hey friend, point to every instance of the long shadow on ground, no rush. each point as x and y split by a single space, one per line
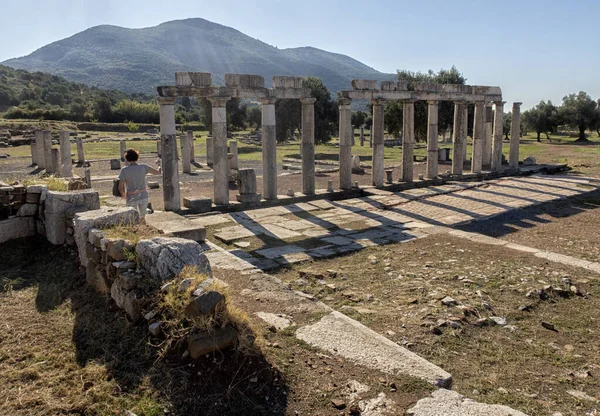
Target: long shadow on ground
217 384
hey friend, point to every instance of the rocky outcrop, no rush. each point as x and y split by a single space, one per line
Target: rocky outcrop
165 257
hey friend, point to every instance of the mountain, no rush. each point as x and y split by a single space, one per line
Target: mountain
138 60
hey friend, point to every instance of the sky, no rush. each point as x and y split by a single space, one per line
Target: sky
533 49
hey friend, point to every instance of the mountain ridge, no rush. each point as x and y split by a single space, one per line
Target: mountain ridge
138 60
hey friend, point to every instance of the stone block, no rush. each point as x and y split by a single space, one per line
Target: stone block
131 301
36 189
175 225
32 198
193 79
244 81
198 203
247 181
97 278
204 305
60 208
94 254
18 227
27 210
153 185
394 86
287 82
165 257
251 199
364 84
100 218
209 341
115 164
116 249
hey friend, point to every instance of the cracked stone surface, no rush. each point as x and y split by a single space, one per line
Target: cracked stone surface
450 403
165 257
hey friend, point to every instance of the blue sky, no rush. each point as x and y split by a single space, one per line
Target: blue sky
533 49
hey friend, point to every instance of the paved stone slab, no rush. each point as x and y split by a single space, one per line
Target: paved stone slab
230 234
280 232
210 220
292 258
222 260
341 335
172 224
337 240
449 403
272 253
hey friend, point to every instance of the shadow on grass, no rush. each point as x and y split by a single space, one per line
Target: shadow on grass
223 383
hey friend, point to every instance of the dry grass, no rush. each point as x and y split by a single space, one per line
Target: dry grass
132 233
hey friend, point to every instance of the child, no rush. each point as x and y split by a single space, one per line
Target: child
133 178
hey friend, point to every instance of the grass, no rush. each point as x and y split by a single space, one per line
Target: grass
132 233
52 182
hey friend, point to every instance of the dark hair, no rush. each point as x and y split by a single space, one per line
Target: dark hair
132 155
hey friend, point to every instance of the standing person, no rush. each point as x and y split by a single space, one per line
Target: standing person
132 183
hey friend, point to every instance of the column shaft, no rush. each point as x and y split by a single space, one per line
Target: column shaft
408 140
190 135
55 161
515 135
488 135
122 149
498 130
233 149
308 146
66 163
269 149
39 147
219 151
345 143
378 144
432 139
48 150
478 137
80 153
170 165
186 153
459 138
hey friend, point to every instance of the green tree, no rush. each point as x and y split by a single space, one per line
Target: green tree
542 118
254 115
103 110
359 118
236 114
581 112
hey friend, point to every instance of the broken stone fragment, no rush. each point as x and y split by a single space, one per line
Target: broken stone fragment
155 328
448 301
208 341
204 305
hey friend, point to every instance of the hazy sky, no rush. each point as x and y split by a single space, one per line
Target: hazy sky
533 49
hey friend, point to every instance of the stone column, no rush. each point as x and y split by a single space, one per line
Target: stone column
498 130
219 150
466 127
459 138
488 135
432 139
269 149
515 135
87 173
378 146
66 163
54 162
308 146
47 150
170 166
186 161
34 153
345 143
233 149
39 148
362 135
80 153
209 150
190 135
122 149
478 133
408 139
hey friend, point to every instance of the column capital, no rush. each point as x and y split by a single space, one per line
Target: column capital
488 103
344 101
498 103
377 101
166 100
218 101
409 100
460 102
517 104
308 100
433 102
267 101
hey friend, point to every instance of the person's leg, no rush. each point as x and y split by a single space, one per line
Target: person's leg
141 207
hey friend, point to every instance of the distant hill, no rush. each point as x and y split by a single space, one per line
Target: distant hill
138 60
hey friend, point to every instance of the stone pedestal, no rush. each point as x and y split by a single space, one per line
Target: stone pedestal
308 146
515 135
233 149
80 154
408 140
459 139
209 151
219 149
247 187
170 165
186 161
115 164
66 163
39 146
122 149
378 144
54 162
478 137
488 135
190 135
269 149
47 150
498 130
432 139
198 204
362 135
34 153
389 176
345 143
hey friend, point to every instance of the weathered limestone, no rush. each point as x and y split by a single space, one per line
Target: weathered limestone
287 82
47 140
80 153
345 143
170 166
66 163
88 177
378 143
459 138
34 153
190 135
466 126
174 225
478 137
186 161
220 162
244 81
122 149
233 150
115 164
488 135
196 79
450 403
432 139
17 227
498 131
269 149
198 204
209 151
159 148
408 140
362 135
515 135
39 145
308 146
54 162
61 207
247 187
